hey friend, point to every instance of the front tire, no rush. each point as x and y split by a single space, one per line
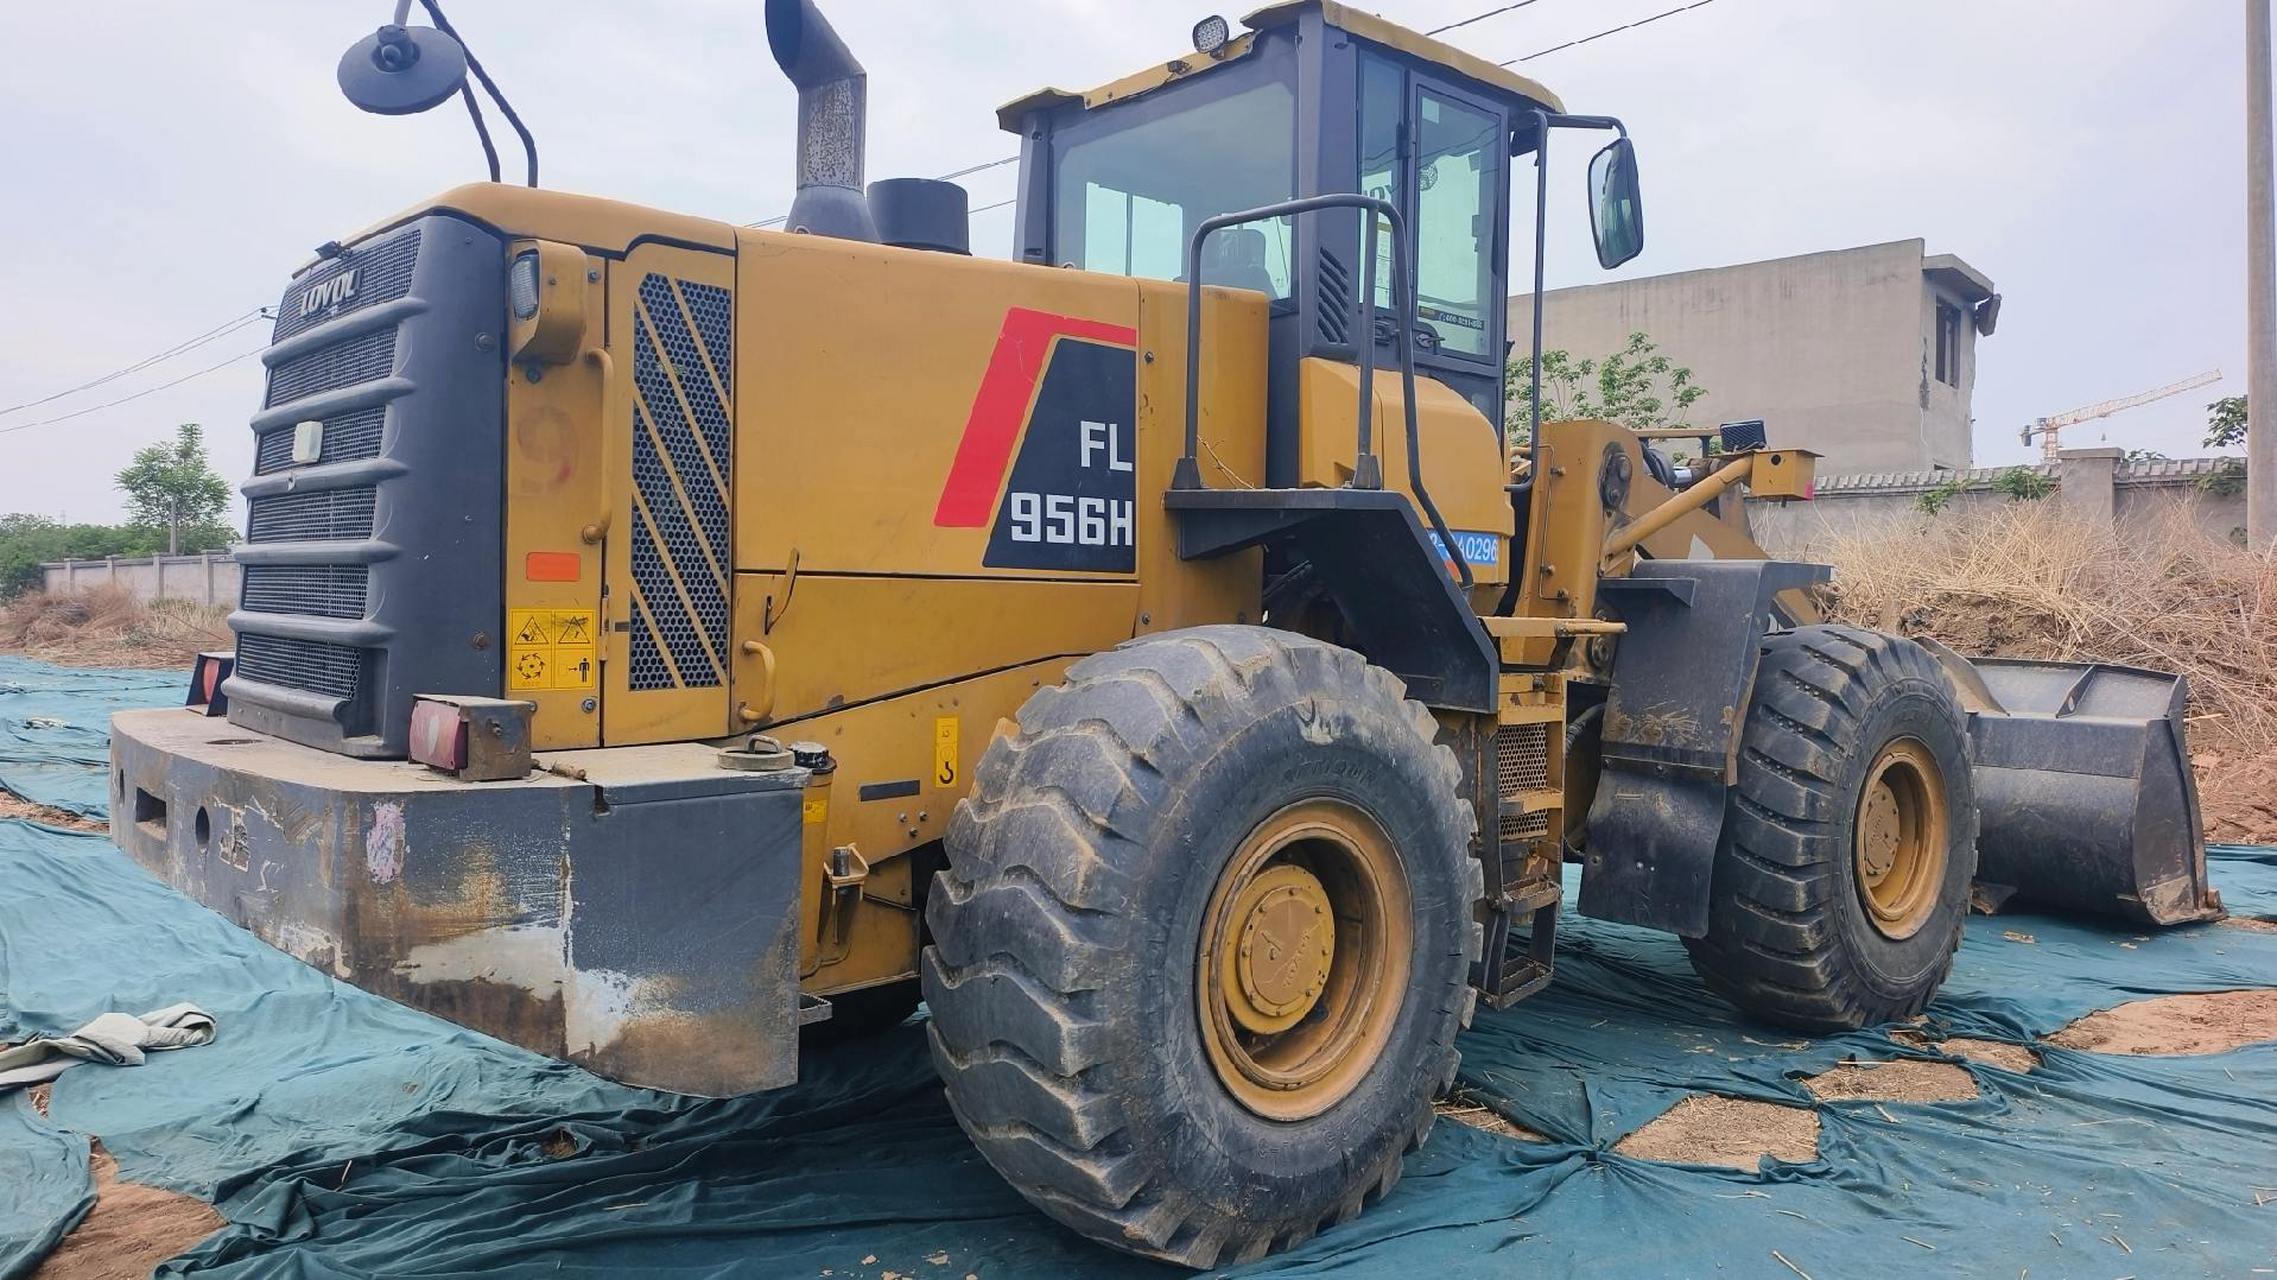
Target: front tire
1842 877
1203 944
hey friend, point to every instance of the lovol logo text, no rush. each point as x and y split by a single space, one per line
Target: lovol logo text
330 293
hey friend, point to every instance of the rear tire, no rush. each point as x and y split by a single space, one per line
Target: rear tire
1842 878
1092 875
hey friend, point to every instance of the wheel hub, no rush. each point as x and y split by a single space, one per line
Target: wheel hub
1285 943
1303 959
1899 841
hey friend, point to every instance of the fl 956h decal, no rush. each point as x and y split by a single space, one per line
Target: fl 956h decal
1047 463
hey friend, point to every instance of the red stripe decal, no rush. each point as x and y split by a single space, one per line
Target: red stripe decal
968 496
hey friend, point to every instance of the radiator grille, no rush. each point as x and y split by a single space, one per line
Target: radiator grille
325 515
348 437
383 274
683 435
324 590
366 357
1521 764
315 665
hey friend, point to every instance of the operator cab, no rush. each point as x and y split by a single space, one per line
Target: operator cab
1118 180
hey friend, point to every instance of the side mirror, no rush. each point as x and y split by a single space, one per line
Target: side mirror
399 71
1616 211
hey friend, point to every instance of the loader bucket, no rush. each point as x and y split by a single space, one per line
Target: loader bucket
2084 790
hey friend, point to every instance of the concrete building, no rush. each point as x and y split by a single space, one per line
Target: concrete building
1867 355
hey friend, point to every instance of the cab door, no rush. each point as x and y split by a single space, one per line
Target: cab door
669 560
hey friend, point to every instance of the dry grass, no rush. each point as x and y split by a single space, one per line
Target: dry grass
2028 581
107 626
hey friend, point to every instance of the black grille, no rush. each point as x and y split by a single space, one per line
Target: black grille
1335 306
325 515
326 590
348 437
366 357
315 665
681 459
383 274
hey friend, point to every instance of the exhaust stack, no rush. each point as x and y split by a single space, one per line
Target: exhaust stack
833 114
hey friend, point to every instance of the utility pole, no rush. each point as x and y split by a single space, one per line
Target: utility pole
2261 289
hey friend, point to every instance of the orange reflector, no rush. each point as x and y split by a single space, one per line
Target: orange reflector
553 566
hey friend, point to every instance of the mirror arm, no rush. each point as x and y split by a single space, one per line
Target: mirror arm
1544 121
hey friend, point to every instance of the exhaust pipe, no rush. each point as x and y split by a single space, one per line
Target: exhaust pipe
833 114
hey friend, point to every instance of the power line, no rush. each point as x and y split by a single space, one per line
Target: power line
112 404
1626 26
192 343
965 172
1479 17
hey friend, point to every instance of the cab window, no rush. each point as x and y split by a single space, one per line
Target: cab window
1131 183
1457 177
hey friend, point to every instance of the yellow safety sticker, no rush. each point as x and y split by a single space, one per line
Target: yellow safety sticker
815 810
552 649
945 772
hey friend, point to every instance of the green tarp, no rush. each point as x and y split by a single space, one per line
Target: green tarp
342 1135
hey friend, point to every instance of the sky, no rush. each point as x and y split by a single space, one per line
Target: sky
164 166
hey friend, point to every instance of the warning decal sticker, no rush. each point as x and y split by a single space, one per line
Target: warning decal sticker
552 649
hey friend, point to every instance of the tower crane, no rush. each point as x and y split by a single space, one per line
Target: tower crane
2050 428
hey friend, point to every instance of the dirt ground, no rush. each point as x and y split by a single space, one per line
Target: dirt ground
108 627
2212 1022
1905 1080
2239 799
15 806
1708 1128
131 1229
1478 1117
2008 1057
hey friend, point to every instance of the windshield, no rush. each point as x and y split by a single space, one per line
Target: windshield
1129 196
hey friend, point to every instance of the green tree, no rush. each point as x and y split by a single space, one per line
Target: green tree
2225 423
1637 386
172 487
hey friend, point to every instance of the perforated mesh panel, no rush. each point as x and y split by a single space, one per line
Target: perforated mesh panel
366 357
323 515
325 590
683 436
348 437
1522 763
383 274
315 665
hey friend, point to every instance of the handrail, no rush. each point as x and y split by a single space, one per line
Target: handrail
1367 468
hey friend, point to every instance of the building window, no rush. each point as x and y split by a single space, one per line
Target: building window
1948 344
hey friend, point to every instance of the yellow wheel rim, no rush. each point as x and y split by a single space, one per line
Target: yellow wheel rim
1899 841
1304 959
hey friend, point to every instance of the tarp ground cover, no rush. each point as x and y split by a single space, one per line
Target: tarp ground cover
342 1135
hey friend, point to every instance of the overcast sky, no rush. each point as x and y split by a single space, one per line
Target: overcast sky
168 164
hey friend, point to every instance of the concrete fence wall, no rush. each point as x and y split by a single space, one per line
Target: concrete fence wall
209 579
2098 484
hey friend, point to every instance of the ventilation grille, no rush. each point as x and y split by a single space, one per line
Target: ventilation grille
324 590
383 274
683 434
1522 764
1335 299
366 357
325 515
348 437
314 665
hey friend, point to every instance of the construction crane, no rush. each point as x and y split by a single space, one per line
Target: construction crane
2050 428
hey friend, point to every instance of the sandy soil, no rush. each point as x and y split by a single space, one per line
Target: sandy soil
2211 1022
131 1229
2251 924
1708 1128
1993 1053
1905 1080
2239 799
15 806
1478 1117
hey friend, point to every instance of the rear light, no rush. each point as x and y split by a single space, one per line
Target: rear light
522 284
472 739
206 677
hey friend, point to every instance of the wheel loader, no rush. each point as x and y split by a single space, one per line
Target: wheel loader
664 643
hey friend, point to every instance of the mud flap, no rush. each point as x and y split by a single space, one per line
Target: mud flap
2084 787
1681 679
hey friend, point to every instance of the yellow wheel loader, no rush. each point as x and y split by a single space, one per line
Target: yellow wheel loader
659 636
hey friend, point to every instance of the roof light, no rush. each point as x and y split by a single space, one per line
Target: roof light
1210 35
